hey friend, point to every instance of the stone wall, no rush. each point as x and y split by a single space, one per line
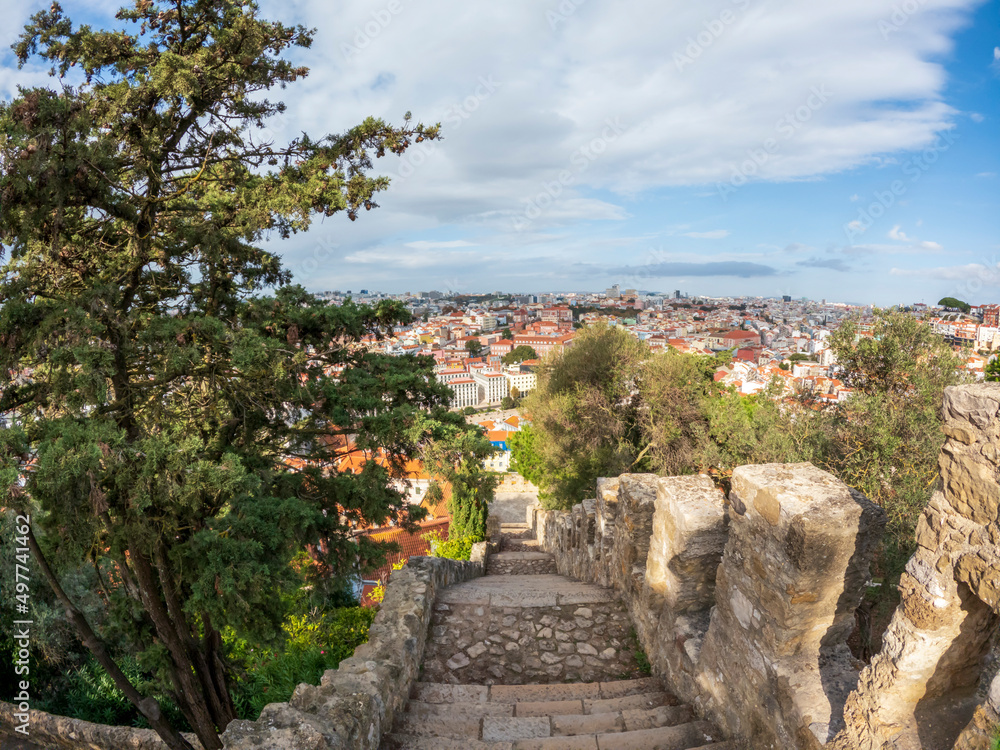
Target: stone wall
356 703
744 604
922 687
52 731
744 609
775 666
349 710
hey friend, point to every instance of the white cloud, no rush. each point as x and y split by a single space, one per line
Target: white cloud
986 175
979 273
855 198
897 234
425 245
715 234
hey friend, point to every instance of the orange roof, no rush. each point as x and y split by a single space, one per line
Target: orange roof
410 545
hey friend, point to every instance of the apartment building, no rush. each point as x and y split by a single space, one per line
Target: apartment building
524 381
466 392
492 386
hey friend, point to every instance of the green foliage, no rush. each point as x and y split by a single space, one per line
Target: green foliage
474 347
458 462
519 354
454 548
955 304
506 334
584 412
675 390
992 370
87 692
166 393
525 458
315 643
889 433
641 660
469 410
507 403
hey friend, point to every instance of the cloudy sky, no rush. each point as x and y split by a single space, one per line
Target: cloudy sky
844 150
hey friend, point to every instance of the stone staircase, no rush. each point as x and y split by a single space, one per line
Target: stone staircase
526 659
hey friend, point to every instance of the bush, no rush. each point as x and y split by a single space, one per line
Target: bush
88 693
316 642
459 548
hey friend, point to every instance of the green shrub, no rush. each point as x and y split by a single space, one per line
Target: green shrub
317 641
88 693
459 548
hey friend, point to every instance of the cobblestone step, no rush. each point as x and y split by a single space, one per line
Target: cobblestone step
524 591
508 645
521 563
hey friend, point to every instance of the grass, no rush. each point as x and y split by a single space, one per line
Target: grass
641 660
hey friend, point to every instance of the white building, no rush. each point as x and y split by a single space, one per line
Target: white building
451 375
525 382
486 322
466 392
493 386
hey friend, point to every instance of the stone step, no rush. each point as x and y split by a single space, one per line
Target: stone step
524 591
566 716
398 741
534 734
434 692
529 555
521 563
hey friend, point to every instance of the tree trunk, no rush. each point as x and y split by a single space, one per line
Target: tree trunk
148 707
191 694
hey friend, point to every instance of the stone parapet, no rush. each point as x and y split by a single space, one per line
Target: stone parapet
53 731
922 687
356 703
690 529
775 667
745 612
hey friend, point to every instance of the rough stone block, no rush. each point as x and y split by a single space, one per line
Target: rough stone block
774 663
689 534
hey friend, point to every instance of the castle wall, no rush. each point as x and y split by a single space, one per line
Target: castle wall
744 609
356 703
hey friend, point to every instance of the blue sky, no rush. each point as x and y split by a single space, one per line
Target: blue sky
846 151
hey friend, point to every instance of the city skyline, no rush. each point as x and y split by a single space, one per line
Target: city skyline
736 148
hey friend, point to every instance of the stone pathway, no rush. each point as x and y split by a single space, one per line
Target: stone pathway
526 659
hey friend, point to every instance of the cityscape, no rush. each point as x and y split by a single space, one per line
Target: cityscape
554 375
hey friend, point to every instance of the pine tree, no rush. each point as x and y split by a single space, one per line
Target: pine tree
174 421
